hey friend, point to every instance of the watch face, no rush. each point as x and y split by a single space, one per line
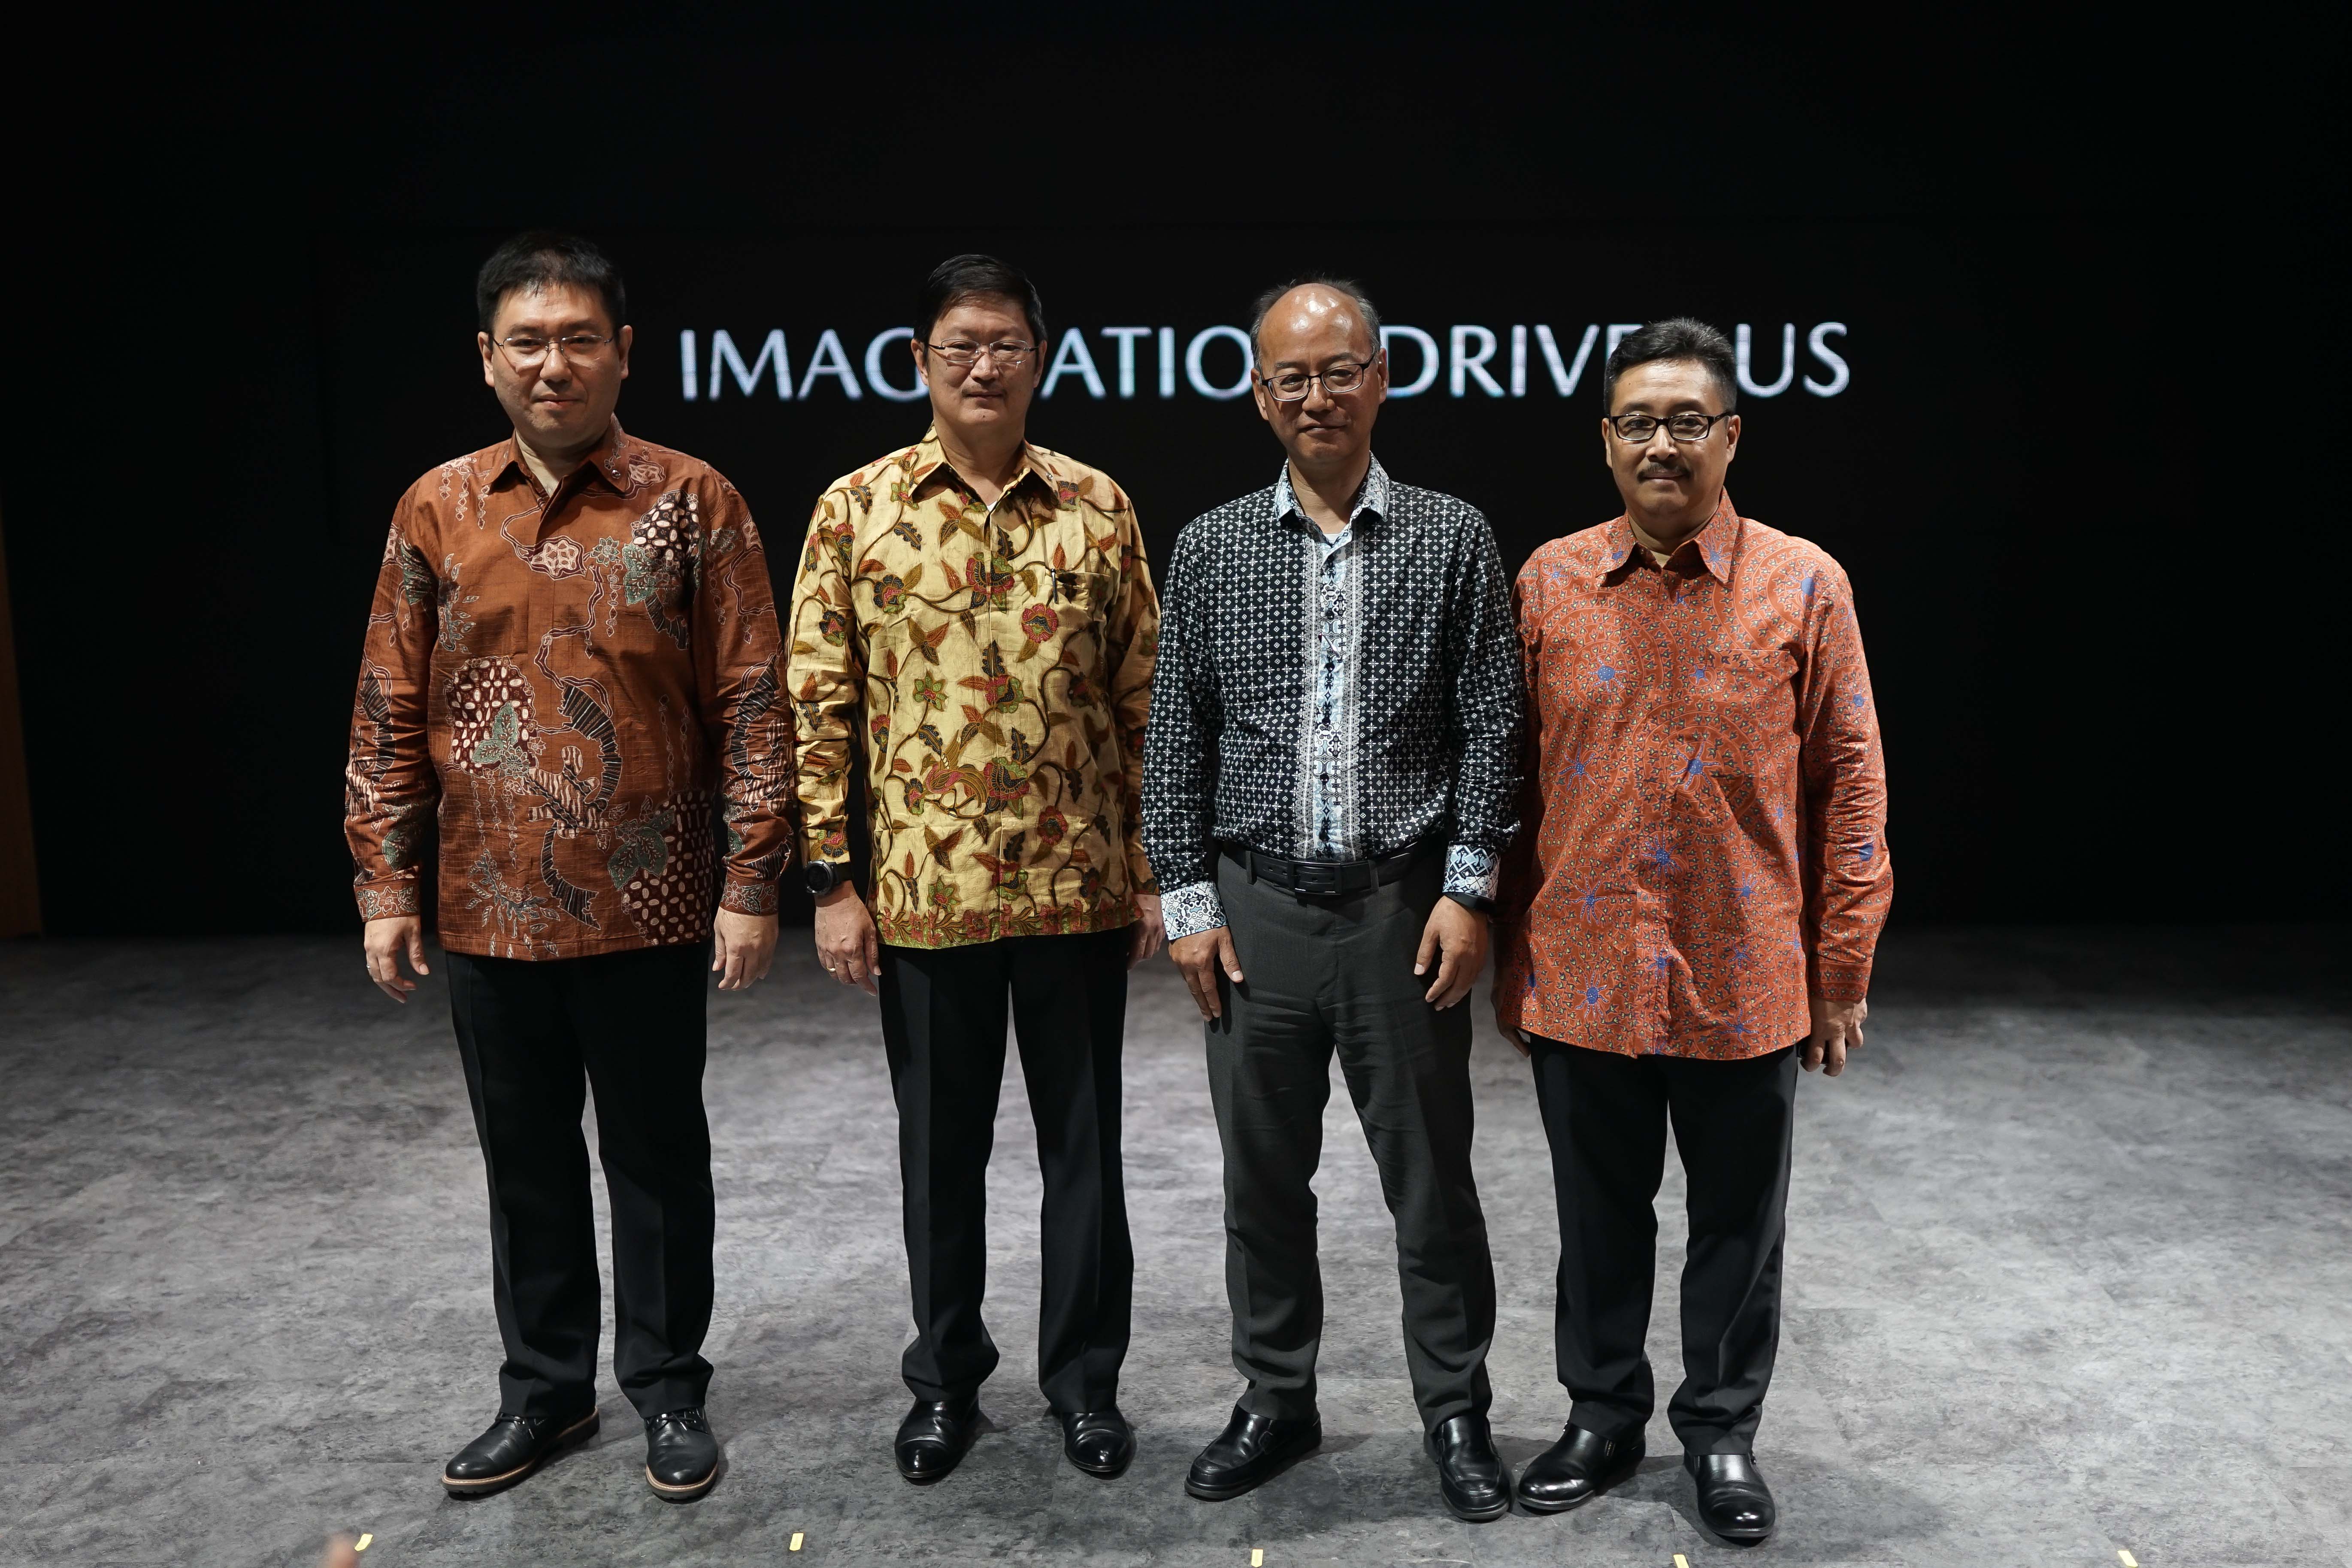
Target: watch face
821 877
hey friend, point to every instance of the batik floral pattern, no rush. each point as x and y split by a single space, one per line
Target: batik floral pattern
990 672
553 705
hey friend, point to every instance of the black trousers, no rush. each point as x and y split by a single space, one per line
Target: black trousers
1605 1116
532 1035
944 1015
1319 976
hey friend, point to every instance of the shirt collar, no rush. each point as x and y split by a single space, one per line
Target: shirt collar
1371 496
1715 546
607 460
926 460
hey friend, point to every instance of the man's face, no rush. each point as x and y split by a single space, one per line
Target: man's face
1662 477
560 401
1309 331
987 396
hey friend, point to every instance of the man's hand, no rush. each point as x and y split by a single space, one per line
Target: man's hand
383 941
846 944
1456 938
1837 1029
1149 934
1200 956
741 948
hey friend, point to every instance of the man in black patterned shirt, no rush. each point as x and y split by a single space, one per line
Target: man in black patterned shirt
1330 774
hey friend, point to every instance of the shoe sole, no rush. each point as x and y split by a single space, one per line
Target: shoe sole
915 1481
686 1493
580 1431
1478 1516
1615 1479
1102 1472
1226 1494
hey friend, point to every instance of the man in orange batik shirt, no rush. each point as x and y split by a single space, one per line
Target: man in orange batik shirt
1691 908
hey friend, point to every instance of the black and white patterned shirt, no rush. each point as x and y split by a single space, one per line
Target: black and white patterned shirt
1331 699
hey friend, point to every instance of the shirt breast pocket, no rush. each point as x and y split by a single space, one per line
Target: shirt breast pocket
1746 699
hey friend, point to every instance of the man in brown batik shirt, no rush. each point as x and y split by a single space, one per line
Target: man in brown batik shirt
572 668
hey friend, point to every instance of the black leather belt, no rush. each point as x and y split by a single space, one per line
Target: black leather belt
1322 878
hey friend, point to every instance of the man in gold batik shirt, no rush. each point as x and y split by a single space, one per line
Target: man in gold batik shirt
974 627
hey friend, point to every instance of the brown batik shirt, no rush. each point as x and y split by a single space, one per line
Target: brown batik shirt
552 689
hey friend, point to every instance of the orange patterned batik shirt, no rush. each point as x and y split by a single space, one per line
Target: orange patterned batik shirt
1703 845
561 693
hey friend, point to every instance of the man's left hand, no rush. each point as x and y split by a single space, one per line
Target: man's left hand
1148 934
1837 1029
741 947
1456 938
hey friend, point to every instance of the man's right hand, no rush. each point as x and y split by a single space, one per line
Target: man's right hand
846 942
1200 956
384 940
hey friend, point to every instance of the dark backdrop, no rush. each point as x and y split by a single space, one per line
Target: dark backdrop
2092 669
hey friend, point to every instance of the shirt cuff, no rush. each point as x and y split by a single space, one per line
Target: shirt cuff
1190 910
750 898
1472 872
379 901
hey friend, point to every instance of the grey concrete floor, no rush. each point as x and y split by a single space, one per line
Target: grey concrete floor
2067 1273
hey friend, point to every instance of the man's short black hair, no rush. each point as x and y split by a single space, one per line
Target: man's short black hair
972 276
1681 338
544 259
1337 285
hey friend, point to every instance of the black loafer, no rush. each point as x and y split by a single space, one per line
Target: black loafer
935 1437
1470 1475
512 1448
1251 1451
1098 1442
1575 1469
1733 1500
681 1456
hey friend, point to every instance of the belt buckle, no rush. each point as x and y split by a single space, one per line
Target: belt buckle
1318 880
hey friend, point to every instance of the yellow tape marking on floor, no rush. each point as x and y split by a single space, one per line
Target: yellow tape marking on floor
1681 1562
362 1542
796 1541
2127 1559
1257 1557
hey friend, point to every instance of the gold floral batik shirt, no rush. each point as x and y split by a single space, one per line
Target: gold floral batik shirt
990 668
554 688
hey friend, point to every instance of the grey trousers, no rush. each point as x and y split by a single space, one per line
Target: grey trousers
1320 975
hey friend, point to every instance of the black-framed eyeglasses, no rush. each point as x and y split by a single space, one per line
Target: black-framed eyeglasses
1684 427
527 349
1290 386
965 355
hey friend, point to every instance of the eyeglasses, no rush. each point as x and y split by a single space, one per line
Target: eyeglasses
1684 427
527 349
965 355
1290 386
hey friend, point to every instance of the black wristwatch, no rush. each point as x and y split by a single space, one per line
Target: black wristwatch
824 876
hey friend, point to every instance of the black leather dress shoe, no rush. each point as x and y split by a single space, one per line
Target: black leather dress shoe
1575 1469
1733 1500
681 1456
1098 1442
513 1447
1470 1474
1251 1451
935 1437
